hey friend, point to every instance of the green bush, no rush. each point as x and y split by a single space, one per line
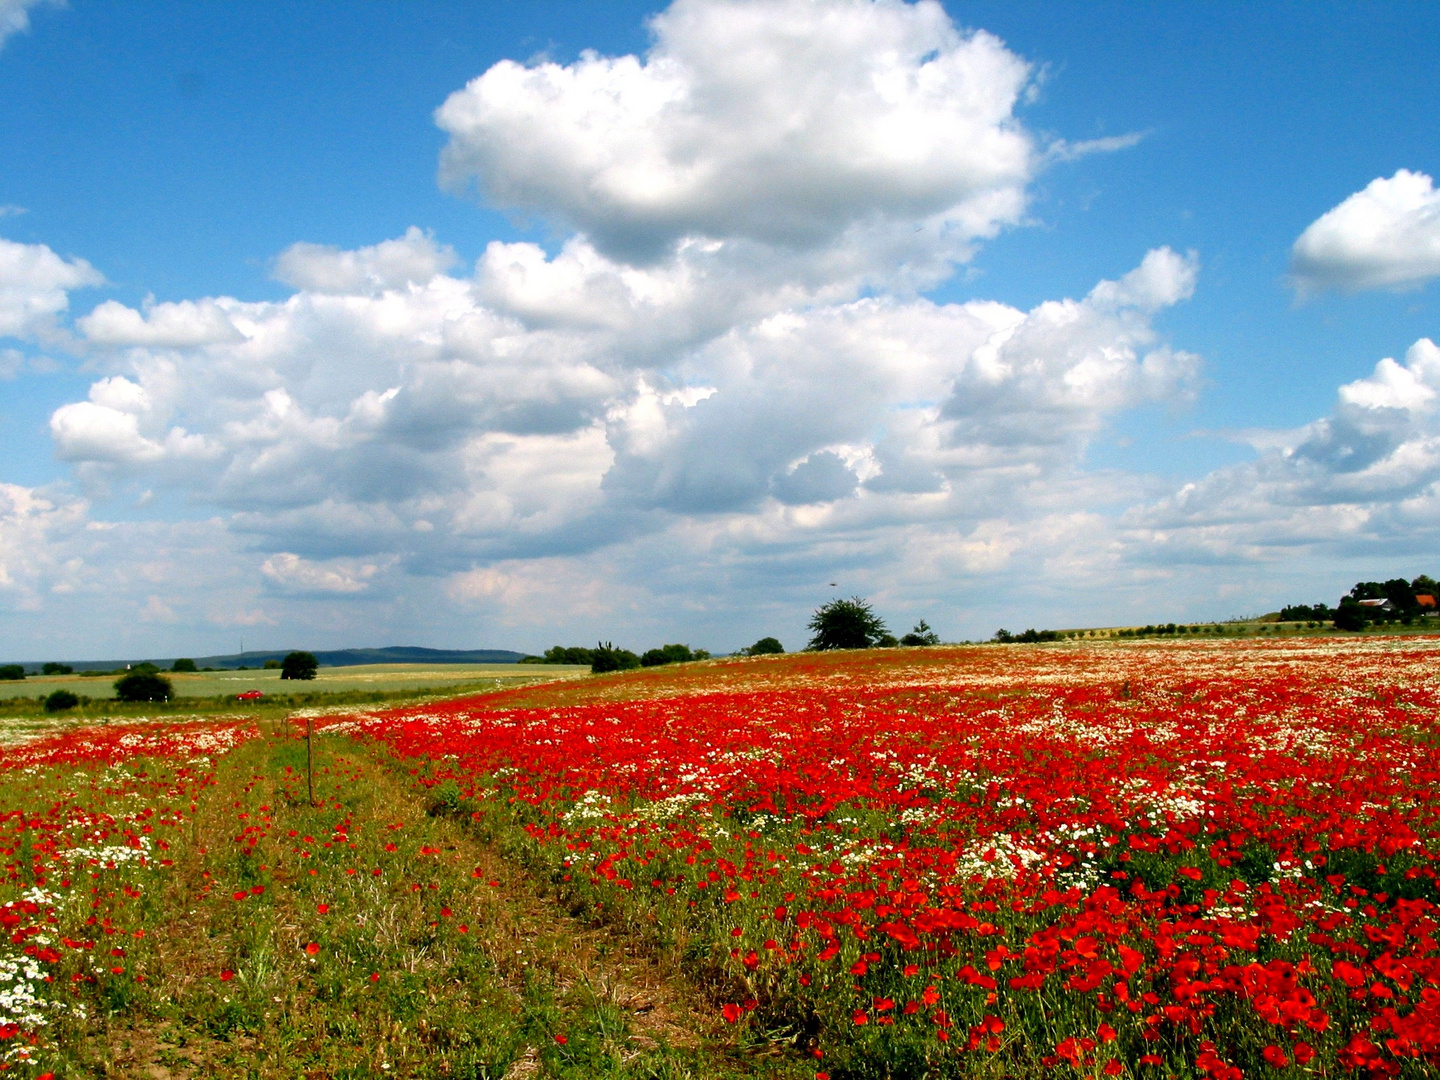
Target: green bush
847 624
766 646
12 672
606 657
183 664
299 665
668 654
143 686
1305 613
61 700
569 654
1349 617
52 668
921 635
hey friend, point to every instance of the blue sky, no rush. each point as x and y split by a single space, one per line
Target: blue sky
180 149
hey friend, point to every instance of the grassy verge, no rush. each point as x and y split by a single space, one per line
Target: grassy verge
270 706
369 935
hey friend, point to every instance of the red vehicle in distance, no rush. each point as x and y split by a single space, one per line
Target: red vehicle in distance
249 695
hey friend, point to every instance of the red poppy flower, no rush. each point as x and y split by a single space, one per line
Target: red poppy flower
1274 1056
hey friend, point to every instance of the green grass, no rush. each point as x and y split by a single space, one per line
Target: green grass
363 678
23 717
366 936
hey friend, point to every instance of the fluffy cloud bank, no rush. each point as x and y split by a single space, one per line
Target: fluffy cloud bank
1384 237
32 525
1367 477
419 421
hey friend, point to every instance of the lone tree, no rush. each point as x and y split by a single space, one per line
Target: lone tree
143 686
847 624
183 664
298 665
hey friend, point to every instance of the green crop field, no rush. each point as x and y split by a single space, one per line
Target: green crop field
376 677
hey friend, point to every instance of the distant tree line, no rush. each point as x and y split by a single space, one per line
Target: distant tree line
1401 601
606 656
52 667
1171 628
564 654
1026 636
840 624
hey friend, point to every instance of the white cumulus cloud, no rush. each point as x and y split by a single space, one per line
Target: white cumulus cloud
175 325
34 287
117 426
291 573
414 257
1384 237
784 122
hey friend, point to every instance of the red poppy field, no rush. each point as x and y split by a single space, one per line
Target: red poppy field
1149 860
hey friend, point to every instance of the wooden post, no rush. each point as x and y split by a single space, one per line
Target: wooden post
26 861
310 755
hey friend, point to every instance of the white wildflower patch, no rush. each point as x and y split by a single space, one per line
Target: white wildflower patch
668 808
111 856
22 1003
589 808
999 856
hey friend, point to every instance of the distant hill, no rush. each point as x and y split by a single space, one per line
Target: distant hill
394 654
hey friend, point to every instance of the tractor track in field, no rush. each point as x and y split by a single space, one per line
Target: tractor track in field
536 949
524 929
